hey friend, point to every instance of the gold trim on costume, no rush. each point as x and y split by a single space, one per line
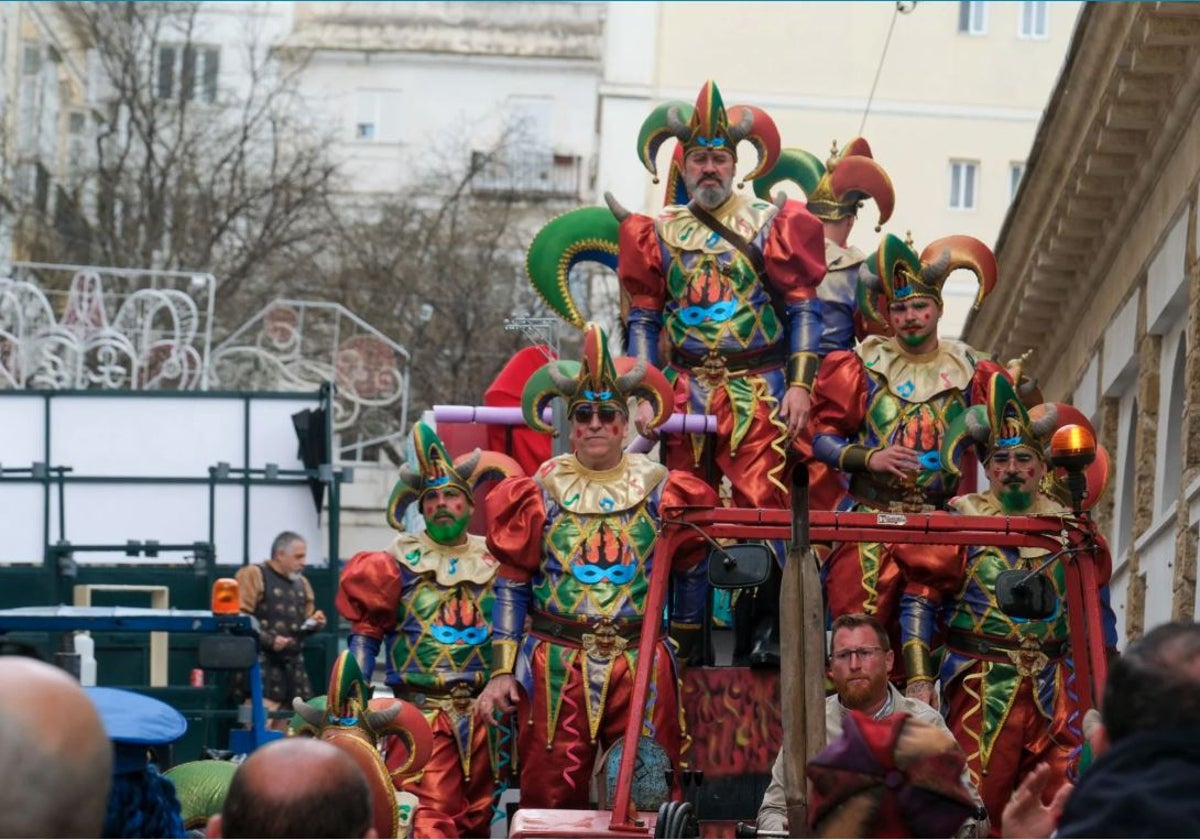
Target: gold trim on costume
451 564
921 376
681 230
583 491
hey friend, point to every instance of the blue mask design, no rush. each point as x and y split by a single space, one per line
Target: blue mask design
455 636
590 573
718 313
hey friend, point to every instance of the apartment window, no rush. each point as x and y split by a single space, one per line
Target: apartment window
1016 171
31 59
377 116
964 184
1033 19
188 72
972 17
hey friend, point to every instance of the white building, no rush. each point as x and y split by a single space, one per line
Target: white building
960 90
412 87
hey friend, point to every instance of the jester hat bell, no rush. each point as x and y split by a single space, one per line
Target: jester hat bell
598 378
709 125
434 470
836 188
895 272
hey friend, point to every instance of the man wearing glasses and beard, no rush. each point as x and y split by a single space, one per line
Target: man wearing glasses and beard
860 657
576 544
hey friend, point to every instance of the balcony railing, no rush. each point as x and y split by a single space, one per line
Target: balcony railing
529 175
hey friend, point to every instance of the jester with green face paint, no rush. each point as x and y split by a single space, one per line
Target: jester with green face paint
1006 681
429 597
880 411
577 543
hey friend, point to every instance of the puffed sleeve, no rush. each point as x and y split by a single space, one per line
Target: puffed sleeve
683 490
794 252
639 266
932 574
982 376
369 593
839 407
516 517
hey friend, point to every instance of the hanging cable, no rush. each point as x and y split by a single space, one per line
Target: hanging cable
901 7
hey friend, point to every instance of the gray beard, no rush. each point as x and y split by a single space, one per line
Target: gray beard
710 196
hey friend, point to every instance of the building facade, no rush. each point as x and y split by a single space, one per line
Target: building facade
1101 280
949 96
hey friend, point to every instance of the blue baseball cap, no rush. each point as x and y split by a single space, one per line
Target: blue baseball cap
135 723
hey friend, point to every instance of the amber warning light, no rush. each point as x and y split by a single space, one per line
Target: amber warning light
1073 447
225 597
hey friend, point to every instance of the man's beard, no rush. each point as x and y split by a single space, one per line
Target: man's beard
1014 498
708 195
912 339
447 531
295 576
859 695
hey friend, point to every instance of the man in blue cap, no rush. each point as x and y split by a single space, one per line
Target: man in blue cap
143 801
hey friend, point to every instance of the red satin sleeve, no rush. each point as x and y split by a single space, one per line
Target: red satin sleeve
684 490
982 376
794 252
369 592
639 264
934 572
839 396
516 517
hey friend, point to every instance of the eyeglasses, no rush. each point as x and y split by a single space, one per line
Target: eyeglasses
584 412
863 653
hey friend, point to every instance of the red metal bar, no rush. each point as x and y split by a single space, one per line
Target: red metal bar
656 598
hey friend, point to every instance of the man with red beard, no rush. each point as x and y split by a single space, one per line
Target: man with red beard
860 657
880 412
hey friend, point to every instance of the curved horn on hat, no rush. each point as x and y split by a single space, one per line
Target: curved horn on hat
615 207
650 385
762 134
587 234
377 719
551 380
406 491
860 174
465 466
796 165
656 129
312 715
1043 420
969 428
489 466
678 116
740 125
969 253
869 291
935 272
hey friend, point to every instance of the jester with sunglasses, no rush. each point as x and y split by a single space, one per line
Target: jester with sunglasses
1006 681
429 597
577 543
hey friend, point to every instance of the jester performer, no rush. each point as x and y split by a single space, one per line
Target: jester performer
430 596
880 411
1005 681
835 191
733 282
577 543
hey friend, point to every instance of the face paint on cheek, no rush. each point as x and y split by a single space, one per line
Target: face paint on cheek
612 430
578 433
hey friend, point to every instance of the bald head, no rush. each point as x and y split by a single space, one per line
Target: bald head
296 787
53 751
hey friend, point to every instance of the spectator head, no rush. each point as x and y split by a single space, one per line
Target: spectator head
289 553
860 658
55 759
1155 683
296 787
143 801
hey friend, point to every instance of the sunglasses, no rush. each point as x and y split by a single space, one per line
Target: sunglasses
584 412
